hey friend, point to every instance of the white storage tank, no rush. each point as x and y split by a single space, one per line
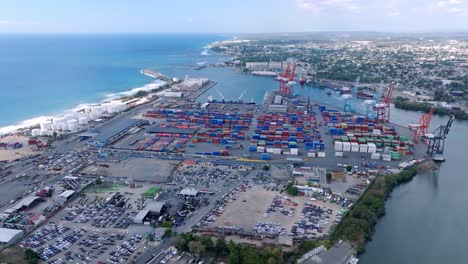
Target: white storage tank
58 120
72 122
35 132
83 121
46 125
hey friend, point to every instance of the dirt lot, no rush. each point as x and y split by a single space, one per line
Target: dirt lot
11 154
13 255
138 169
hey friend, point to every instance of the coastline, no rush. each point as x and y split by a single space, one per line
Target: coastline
35 121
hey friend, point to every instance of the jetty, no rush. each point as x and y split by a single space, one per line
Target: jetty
157 75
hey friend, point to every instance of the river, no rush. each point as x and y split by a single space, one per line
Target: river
426 219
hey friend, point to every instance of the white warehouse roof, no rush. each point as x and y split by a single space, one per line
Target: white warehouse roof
7 234
66 194
189 192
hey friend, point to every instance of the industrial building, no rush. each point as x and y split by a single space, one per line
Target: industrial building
26 202
111 132
10 236
340 253
151 211
190 192
65 196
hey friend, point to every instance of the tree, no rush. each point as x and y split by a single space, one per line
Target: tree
168 232
31 256
207 242
141 94
266 168
329 177
221 247
98 181
292 190
196 247
349 168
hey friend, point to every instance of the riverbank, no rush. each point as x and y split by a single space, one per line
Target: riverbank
424 107
358 225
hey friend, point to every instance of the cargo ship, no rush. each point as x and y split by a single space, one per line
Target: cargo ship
364 95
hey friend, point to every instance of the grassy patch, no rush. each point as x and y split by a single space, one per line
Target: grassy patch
105 187
151 192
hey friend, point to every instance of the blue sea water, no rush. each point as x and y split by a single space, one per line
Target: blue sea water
47 74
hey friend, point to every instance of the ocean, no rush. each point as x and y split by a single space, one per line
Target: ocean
43 75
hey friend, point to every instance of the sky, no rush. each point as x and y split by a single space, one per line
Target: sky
231 16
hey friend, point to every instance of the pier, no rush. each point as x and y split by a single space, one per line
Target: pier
155 74
202 90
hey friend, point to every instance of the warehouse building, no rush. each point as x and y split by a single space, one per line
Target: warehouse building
10 236
151 212
113 131
64 197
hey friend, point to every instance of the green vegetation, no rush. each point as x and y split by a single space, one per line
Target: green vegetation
31 256
235 253
359 223
104 187
168 232
349 168
292 190
329 177
151 192
98 181
166 224
140 94
403 103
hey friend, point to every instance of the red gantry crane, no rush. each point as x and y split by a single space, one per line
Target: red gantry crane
286 79
383 108
421 129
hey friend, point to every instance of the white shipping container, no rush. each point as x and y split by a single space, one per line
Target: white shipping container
294 151
338 154
376 132
354 147
269 150
386 157
321 154
311 154
363 148
277 151
338 146
375 156
346 146
371 148
260 149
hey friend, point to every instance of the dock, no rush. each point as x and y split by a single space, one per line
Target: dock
202 90
155 74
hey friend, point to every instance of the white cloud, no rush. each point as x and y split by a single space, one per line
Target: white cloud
394 13
318 6
458 7
4 22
